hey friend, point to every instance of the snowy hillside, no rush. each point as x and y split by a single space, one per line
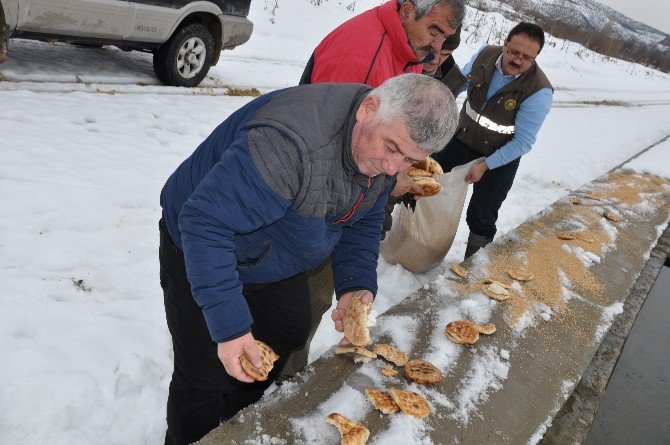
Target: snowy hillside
89 138
585 14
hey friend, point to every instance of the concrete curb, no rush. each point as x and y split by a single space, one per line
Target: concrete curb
508 387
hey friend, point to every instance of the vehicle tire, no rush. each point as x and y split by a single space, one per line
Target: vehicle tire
185 59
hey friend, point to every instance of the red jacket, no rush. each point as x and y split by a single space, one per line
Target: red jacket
369 48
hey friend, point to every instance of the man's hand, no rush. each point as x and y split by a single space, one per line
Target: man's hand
476 172
405 184
229 353
343 304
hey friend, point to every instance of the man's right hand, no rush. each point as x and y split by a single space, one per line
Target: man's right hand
229 353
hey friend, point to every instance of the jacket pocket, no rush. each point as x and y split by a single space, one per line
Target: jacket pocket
253 256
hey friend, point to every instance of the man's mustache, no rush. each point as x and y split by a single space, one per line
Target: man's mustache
429 58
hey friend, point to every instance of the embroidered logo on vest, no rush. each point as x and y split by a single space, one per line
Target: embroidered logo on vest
510 104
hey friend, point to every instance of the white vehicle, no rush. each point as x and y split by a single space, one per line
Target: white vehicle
186 37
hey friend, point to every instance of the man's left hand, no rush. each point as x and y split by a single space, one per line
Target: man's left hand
476 172
343 304
405 184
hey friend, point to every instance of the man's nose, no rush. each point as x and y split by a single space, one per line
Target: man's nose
393 165
437 42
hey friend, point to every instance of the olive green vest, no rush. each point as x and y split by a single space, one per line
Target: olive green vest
487 125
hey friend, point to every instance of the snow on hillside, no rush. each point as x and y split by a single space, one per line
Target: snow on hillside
86 352
590 16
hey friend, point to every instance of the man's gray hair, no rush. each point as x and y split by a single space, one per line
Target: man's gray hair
423 7
426 105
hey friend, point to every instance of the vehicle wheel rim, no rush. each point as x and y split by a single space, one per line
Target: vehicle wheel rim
191 57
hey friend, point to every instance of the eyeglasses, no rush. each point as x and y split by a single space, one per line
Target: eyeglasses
517 55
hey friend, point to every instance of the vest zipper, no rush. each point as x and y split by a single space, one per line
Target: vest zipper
351 212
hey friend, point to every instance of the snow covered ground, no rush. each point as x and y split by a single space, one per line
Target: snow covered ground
87 139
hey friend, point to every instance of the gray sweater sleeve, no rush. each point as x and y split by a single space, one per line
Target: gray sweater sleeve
277 159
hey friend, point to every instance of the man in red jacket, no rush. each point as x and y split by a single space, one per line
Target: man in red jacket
384 42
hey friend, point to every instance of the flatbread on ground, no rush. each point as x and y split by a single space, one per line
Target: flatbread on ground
612 216
388 371
520 275
352 432
390 353
467 332
381 400
422 372
501 283
496 291
358 350
459 270
410 402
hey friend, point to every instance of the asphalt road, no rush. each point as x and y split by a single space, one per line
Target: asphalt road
636 404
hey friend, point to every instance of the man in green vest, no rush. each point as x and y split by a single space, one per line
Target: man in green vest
508 99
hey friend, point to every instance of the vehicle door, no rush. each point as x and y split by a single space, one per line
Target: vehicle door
153 19
106 19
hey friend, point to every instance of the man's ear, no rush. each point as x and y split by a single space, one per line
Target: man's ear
367 110
406 12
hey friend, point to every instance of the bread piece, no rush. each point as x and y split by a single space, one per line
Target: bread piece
422 372
520 275
388 371
434 167
496 291
467 332
352 432
410 402
612 216
359 350
268 356
381 400
423 174
415 172
361 359
429 186
501 283
459 270
394 355
356 322
429 165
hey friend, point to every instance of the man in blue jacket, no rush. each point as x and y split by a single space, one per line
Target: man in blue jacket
289 179
509 97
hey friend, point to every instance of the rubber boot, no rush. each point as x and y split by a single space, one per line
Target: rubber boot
475 242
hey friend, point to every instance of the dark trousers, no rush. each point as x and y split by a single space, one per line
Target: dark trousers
201 393
488 194
321 291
